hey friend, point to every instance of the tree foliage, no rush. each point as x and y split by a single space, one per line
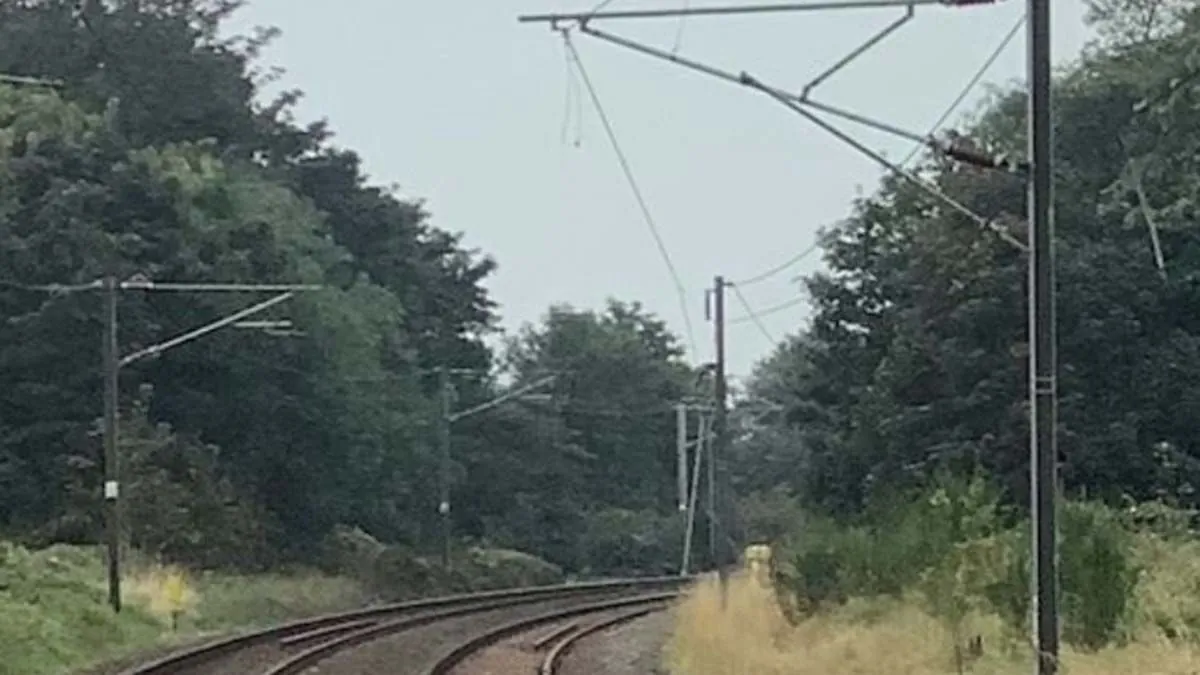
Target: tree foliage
915 360
157 156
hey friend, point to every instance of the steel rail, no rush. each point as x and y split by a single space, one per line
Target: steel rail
352 625
554 658
464 650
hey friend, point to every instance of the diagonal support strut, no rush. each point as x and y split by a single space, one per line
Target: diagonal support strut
925 185
967 156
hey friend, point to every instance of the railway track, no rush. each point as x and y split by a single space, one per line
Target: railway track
405 637
572 626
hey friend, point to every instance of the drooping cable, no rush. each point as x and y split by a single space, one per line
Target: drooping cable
751 314
966 90
775 309
763 276
651 224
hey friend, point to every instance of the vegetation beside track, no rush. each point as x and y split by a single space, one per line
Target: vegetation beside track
53 607
940 585
53 601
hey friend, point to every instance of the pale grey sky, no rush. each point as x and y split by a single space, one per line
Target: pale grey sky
464 107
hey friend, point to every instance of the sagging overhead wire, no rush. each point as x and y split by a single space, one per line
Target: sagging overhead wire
763 276
971 84
651 224
768 311
751 314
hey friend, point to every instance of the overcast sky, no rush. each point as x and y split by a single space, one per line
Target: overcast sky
465 108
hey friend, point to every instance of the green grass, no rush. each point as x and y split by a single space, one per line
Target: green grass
54 618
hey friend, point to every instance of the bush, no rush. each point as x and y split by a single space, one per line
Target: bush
954 543
1098 574
400 574
350 551
488 569
620 542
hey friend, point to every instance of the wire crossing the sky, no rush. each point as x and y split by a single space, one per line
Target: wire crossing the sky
637 191
971 84
775 309
751 314
763 276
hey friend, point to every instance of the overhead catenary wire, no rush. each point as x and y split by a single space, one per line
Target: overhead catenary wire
969 87
774 309
805 106
637 191
767 274
751 314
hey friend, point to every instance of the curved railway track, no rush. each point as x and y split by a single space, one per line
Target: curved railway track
404 636
559 641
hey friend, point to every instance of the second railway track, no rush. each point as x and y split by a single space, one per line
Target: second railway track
571 625
400 638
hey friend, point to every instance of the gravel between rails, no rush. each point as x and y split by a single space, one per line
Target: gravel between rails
516 655
633 648
414 652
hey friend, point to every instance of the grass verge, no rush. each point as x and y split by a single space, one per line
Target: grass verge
54 616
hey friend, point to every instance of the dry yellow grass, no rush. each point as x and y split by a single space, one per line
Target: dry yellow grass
752 637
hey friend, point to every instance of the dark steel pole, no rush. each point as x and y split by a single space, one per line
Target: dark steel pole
1043 368
112 484
720 437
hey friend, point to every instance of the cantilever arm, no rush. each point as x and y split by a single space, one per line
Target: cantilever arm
161 347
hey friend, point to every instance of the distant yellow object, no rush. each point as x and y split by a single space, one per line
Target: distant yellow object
175 591
757 560
171 595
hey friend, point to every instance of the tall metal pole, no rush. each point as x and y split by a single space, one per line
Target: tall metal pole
1042 366
681 445
720 436
702 436
112 485
444 471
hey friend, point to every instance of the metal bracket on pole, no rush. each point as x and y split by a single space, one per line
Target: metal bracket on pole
507 396
925 185
800 105
156 349
910 11
113 363
958 153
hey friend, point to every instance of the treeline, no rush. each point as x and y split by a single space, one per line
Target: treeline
154 156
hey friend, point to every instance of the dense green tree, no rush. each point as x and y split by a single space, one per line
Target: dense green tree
915 359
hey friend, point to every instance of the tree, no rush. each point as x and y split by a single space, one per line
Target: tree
915 359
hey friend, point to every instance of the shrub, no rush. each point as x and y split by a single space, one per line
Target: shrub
400 574
620 542
350 551
488 569
1098 574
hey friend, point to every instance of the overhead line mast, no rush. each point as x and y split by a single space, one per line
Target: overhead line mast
1038 173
